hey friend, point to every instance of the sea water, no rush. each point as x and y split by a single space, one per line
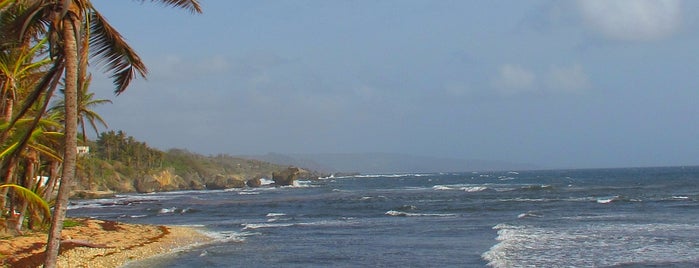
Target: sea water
639 217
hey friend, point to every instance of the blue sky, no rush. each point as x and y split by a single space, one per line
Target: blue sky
558 84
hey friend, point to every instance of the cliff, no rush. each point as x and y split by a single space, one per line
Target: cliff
124 165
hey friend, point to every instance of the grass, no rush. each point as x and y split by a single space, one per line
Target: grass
67 223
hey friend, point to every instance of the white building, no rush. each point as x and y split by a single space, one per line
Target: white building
83 150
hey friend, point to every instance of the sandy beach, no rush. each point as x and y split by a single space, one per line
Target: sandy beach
97 243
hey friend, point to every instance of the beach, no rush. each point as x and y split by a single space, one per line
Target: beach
97 243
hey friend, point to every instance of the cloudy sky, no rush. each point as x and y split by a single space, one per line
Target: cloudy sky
559 84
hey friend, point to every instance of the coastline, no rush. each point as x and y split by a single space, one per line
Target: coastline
98 243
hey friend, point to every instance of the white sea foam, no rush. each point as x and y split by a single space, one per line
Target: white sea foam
461 187
327 223
253 226
167 210
529 214
474 189
408 214
118 200
393 175
607 200
225 236
592 245
442 187
275 214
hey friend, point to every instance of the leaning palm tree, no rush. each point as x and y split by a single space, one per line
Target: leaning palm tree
21 66
62 21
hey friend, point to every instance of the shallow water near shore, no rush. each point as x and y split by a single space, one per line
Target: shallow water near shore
644 217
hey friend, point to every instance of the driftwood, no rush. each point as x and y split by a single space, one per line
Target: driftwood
83 243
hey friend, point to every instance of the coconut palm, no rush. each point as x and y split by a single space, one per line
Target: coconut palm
21 66
86 102
62 22
43 143
33 199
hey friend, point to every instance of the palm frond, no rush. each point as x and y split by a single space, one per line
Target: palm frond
47 84
9 149
189 5
47 151
113 53
31 197
31 21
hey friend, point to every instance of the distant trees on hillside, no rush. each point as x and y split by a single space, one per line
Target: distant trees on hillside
117 146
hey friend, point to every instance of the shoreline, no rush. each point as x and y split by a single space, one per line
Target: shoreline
99 243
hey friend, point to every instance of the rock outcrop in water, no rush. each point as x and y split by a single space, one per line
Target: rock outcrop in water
286 177
222 182
254 182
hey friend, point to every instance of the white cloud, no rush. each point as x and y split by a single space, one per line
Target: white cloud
513 79
567 79
632 20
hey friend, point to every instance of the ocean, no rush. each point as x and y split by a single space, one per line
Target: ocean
630 217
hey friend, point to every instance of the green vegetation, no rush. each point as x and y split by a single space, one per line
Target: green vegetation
46 45
119 163
68 223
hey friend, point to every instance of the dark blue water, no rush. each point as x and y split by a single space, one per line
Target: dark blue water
645 217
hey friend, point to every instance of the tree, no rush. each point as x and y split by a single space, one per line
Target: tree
85 112
62 22
22 64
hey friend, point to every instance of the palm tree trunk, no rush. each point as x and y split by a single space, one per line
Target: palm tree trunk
70 23
48 192
28 183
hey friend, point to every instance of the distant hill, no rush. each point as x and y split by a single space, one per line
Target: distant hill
368 163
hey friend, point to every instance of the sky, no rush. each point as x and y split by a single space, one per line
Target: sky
557 84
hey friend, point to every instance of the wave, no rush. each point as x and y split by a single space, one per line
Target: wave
393 175
225 236
408 214
592 245
460 187
119 200
530 214
133 216
616 198
175 210
253 226
607 200
537 187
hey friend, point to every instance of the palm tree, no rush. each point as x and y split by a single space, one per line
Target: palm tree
62 22
34 200
85 112
21 66
43 143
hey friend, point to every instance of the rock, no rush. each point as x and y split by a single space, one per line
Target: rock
254 182
196 185
146 184
286 177
88 194
220 182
